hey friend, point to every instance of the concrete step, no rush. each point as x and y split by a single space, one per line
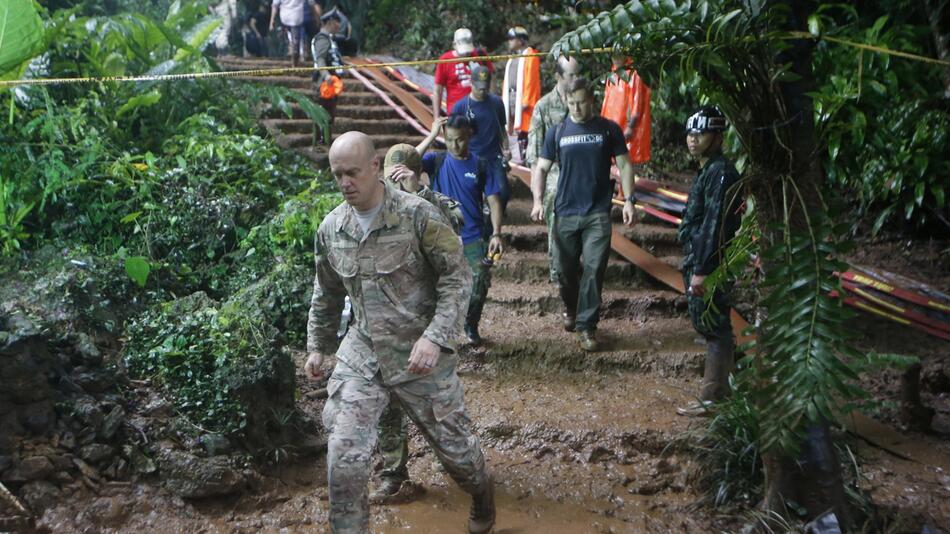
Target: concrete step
349 111
532 268
633 304
304 82
641 343
391 127
383 142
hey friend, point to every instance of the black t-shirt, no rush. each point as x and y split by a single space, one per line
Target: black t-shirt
584 153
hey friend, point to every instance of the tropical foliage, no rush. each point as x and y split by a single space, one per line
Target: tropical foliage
172 186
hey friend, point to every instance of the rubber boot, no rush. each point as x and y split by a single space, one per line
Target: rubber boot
719 363
481 519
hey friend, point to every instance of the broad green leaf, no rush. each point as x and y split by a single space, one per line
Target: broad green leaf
138 269
140 101
21 35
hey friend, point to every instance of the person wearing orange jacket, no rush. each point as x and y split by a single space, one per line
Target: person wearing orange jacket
522 87
627 102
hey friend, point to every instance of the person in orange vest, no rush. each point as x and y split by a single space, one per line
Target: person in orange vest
326 53
627 102
522 88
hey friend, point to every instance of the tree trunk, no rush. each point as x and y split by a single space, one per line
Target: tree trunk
813 480
934 10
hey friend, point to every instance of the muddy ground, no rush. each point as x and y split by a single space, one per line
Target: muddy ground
577 444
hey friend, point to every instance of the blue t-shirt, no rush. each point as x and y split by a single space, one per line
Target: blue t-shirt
459 179
584 153
488 119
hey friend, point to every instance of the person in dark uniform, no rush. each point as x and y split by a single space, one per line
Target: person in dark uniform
712 219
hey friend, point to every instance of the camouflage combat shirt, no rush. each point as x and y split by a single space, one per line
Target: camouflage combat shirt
406 278
708 223
548 113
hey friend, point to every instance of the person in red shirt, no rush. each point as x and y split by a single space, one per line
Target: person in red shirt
627 102
456 78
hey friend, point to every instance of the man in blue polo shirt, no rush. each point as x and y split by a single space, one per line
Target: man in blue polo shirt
468 179
583 145
487 115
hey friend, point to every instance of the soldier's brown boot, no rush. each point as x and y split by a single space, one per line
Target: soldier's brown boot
588 340
481 519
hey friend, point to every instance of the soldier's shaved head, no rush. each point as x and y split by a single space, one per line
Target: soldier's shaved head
355 166
566 71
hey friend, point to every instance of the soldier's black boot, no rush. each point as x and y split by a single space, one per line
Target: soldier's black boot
481 519
471 332
719 363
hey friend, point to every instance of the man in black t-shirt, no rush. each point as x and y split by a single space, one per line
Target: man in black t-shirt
584 145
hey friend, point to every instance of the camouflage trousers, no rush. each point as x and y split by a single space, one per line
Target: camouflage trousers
394 442
548 204
351 415
713 323
475 252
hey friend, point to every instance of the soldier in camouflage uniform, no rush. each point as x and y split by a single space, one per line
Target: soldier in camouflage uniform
710 222
548 113
401 264
402 167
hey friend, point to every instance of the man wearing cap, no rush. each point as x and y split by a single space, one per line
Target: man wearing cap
627 102
486 112
548 113
292 18
521 88
403 169
711 220
454 79
326 53
401 264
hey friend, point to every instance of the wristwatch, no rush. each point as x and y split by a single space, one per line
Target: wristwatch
632 198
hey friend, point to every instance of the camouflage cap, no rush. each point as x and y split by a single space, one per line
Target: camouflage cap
402 154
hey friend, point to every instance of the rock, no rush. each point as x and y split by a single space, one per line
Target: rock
68 440
111 422
87 470
96 381
62 462
158 407
140 463
63 478
598 454
6 462
40 495
110 512
87 350
215 444
38 417
96 452
191 477
87 411
35 468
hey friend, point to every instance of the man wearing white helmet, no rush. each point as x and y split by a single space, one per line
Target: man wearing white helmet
455 79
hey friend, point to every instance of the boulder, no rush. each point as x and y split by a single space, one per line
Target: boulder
40 495
29 469
189 476
111 422
215 444
96 452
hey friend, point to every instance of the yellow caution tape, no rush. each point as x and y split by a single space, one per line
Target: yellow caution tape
275 71
498 57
